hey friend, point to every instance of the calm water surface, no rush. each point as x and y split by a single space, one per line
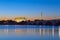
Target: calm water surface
29 32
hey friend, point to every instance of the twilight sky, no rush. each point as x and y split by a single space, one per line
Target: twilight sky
30 8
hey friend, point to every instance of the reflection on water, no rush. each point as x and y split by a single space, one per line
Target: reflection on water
41 31
59 31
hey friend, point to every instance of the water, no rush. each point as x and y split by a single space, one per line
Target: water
29 32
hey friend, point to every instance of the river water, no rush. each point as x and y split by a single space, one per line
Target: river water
29 32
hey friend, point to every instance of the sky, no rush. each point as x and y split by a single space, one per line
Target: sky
30 8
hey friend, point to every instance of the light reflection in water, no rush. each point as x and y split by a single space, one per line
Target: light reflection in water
41 31
59 32
53 31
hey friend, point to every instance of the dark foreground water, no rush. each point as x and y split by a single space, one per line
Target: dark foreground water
29 32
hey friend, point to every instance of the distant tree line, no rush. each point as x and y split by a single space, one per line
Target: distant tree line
28 22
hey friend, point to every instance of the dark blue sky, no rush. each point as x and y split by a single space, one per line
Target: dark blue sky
30 8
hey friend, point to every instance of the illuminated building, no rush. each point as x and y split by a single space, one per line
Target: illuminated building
19 19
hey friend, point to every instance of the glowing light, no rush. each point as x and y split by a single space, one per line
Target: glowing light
19 19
